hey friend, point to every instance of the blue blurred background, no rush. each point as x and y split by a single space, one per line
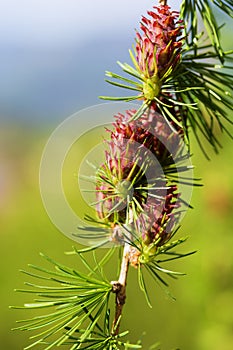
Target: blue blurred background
54 54
53 57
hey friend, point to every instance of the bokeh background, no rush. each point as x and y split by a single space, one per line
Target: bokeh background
53 57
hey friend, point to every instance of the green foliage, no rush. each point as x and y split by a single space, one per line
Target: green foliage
75 299
212 95
163 102
80 316
152 259
190 12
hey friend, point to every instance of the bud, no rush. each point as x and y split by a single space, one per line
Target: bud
132 188
158 47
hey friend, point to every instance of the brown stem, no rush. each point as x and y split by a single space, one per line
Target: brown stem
163 2
119 288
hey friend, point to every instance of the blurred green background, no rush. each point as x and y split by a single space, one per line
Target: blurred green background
37 98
